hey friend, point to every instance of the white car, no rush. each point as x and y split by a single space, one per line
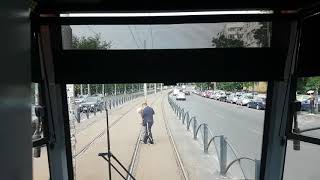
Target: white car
181 96
175 92
244 100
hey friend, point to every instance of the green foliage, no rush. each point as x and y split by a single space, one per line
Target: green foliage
262 34
94 42
223 42
230 86
308 83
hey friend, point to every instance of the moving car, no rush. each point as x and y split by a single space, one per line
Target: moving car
91 103
186 92
257 103
175 91
181 96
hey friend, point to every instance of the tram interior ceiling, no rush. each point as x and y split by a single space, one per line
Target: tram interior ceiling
292 53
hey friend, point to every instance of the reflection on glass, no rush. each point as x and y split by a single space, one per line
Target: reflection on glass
302 164
169 36
308 118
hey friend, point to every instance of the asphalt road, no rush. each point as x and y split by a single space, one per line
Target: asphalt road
244 129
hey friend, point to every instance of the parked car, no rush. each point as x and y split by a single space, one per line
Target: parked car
208 93
257 103
212 95
181 96
80 99
305 103
91 103
222 97
244 100
230 98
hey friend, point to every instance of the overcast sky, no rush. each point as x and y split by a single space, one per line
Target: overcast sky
163 36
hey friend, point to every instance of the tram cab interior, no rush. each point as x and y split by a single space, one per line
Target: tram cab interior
38 49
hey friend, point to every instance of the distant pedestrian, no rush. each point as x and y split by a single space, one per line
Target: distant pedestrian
147 122
312 104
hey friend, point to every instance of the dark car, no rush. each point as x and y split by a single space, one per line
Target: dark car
91 103
186 92
305 104
257 103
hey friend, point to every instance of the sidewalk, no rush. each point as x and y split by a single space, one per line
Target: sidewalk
306 121
199 166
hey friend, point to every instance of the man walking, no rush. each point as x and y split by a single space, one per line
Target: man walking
147 116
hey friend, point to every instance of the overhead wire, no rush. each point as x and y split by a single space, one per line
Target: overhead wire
132 35
135 28
151 34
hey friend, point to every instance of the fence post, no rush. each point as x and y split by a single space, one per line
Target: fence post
257 169
95 110
205 138
78 115
223 156
88 111
195 124
184 117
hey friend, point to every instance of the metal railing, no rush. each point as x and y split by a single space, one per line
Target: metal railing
109 102
208 137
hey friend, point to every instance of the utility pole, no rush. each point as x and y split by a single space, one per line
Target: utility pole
145 91
115 89
316 100
155 88
36 94
103 89
125 88
89 91
161 87
81 89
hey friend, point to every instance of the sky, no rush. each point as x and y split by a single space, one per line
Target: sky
173 36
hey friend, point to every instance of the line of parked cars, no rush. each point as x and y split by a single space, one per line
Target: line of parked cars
90 103
305 102
251 100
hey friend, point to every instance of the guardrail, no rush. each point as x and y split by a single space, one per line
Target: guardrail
109 102
208 137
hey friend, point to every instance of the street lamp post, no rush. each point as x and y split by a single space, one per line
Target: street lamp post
145 91
89 92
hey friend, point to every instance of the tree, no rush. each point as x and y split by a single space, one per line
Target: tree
262 35
230 86
313 83
223 42
90 42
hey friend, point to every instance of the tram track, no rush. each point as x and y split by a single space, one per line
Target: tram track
115 122
135 157
95 121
